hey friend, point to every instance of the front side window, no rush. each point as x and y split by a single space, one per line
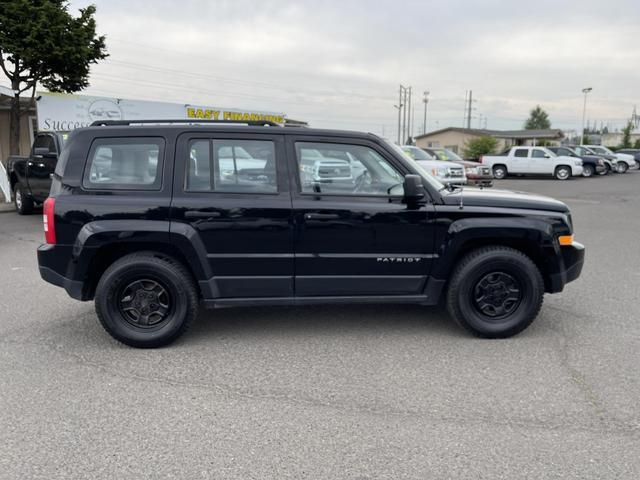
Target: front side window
537 153
345 170
231 166
125 164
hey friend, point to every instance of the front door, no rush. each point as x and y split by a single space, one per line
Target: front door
354 236
233 190
40 167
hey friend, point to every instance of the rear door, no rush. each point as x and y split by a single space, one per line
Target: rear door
231 188
519 161
354 236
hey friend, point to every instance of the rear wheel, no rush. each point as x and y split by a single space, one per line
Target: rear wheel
499 172
22 201
495 292
146 301
622 167
562 173
588 171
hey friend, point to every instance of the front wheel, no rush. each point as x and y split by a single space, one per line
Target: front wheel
562 173
622 167
144 300
588 171
22 202
499 172
495 292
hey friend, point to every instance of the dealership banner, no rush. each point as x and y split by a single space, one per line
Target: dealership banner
65 112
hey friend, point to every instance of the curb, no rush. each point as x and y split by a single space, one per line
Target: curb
7 207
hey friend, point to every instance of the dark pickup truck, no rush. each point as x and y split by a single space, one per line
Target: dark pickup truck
30 177
151 220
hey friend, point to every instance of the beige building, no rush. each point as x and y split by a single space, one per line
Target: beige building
455 138
28 125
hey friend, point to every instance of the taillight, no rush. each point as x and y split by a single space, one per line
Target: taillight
48 219
481 158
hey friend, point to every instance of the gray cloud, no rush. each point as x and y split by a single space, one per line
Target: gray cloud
338 64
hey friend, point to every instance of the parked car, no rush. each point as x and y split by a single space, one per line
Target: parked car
447 172
476 173
30 177
591 164
149 253
625 161
635 152
532 161
610 161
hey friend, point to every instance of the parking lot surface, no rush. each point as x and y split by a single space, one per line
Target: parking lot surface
334 391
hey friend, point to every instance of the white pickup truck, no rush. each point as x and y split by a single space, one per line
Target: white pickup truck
532 161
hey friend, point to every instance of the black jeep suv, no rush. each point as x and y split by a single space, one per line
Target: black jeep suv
152 218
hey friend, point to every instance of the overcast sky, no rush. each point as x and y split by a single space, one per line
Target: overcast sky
339 63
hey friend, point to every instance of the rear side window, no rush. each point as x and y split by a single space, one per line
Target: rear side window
125 164
521 152
232 166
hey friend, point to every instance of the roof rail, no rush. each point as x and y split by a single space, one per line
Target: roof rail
252 123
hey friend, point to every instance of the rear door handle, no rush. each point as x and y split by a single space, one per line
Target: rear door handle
200 214
321 216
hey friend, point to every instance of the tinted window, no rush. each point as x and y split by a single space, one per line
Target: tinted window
345 169
521 152
125 163
539 154
233 166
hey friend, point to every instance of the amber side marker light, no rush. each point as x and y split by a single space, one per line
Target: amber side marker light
565 239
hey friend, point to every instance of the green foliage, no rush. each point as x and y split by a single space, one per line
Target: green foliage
626 135
41 43
538 119
637 143
480 146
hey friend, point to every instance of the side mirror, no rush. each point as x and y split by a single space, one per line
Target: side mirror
413 188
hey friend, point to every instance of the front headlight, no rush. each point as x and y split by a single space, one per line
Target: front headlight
440 172
471 170
578 163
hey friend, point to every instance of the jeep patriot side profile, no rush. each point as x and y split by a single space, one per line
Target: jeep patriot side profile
153 219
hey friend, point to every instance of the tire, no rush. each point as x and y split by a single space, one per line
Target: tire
486 268
562 173
622 167
499 172
160 293
22 202
607 170
588 171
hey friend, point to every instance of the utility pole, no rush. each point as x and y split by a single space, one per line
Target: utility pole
584 112
464 114
408 136
404 114
425 100
469 109
399 107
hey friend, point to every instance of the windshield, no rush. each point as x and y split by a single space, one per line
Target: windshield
434 182
603 150
416 153
447 155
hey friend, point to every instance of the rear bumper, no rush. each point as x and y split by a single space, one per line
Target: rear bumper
53 262
601 168
572 262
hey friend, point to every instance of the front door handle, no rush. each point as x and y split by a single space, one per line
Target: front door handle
321 216
200 214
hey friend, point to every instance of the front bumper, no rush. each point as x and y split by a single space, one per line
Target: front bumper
480 180
572 262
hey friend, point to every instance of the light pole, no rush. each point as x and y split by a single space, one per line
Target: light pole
584 112
425 100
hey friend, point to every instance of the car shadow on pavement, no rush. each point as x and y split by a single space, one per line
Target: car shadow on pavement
324 319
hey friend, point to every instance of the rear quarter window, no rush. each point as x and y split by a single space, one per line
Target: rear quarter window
124 164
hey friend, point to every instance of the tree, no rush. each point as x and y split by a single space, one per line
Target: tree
538 119
637 143
41 43
480 146
626 135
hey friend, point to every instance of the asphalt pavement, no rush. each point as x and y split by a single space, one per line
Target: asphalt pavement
333 392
